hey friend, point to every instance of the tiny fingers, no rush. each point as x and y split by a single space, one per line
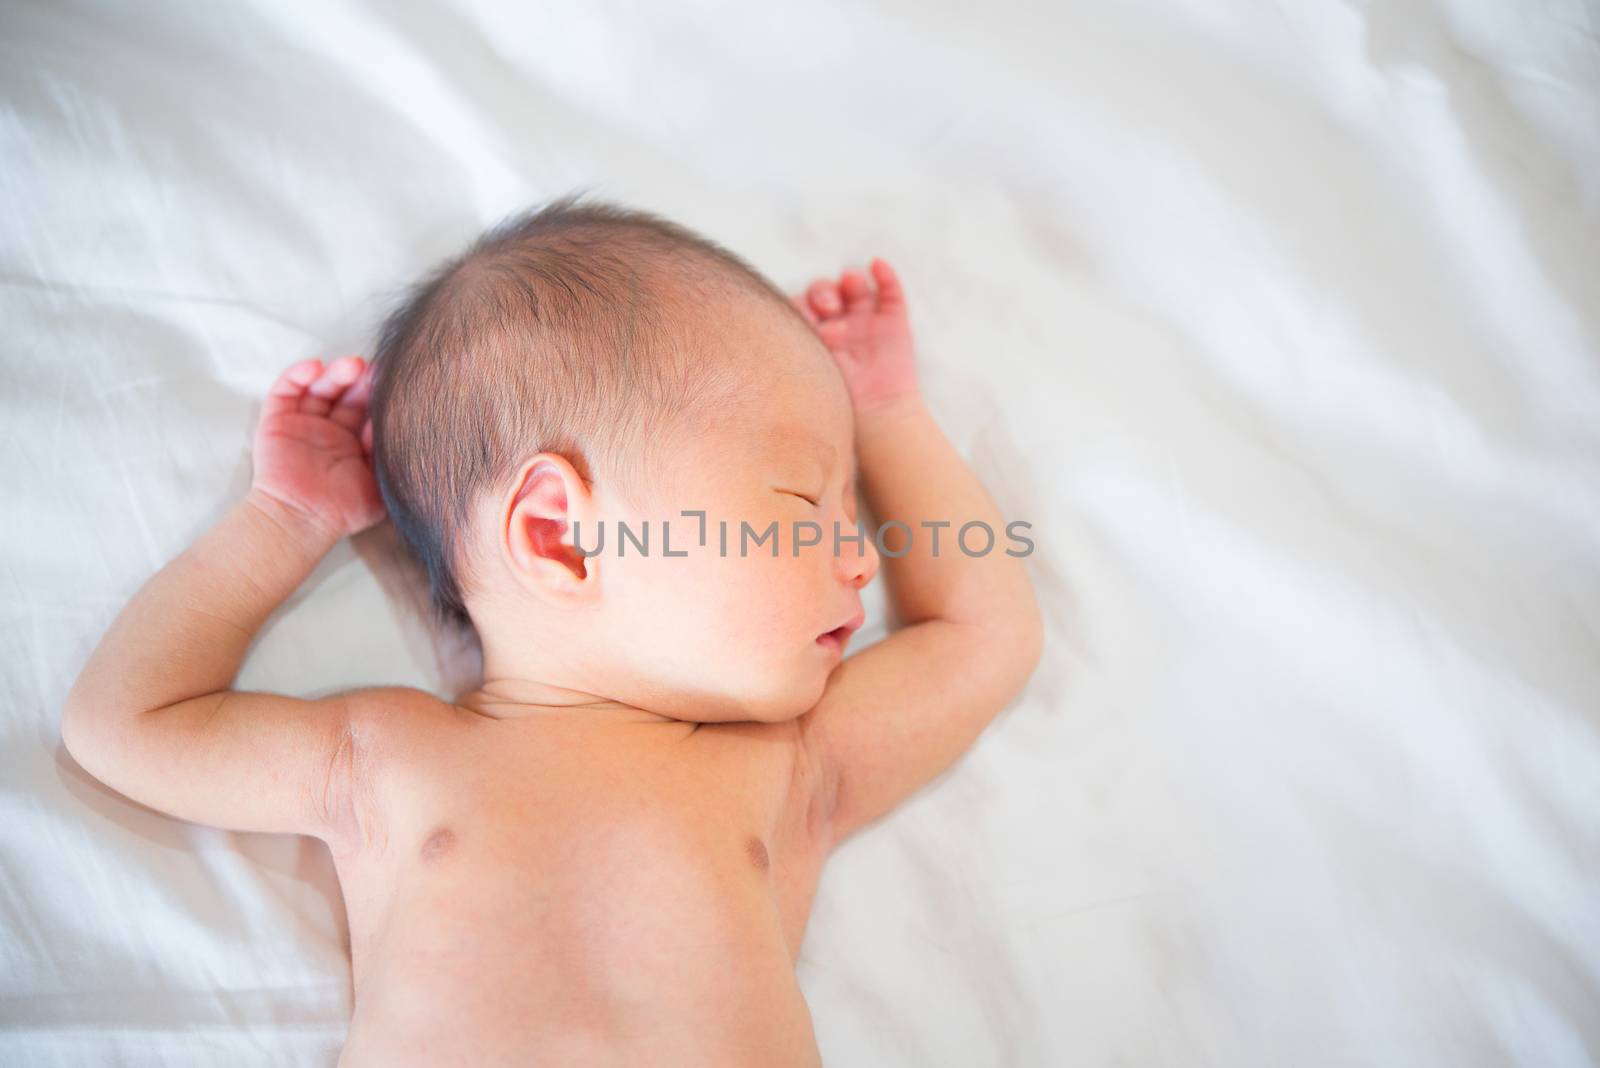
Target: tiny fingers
891 295
337 377
297 377
286 390
857 291
351 408
834 332
824 298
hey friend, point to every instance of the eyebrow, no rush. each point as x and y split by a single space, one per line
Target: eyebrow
833 453
852 473
802 439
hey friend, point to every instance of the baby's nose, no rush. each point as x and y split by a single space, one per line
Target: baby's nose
857 564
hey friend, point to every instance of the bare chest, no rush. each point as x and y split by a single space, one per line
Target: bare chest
600 859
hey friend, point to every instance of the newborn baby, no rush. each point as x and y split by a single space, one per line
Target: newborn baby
606 853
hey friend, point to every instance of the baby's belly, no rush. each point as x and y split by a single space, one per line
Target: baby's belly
632 943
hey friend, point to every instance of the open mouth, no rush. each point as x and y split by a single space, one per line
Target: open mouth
838 636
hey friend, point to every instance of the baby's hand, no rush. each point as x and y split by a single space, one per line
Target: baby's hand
868 333
313 446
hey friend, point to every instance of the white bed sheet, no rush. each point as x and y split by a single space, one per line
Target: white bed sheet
1281 324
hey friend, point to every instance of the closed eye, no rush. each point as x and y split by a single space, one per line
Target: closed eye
812 501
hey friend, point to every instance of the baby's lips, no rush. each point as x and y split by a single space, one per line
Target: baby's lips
848 627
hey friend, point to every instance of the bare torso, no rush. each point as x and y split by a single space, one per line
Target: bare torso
537 893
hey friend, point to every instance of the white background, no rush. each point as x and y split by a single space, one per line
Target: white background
1281 324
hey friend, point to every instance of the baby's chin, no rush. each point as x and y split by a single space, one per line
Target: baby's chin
777 702
782 700
769 689
798 697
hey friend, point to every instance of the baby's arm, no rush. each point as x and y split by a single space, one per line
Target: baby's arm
901 711
152 714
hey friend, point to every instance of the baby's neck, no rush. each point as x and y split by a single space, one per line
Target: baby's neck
530 676
513 697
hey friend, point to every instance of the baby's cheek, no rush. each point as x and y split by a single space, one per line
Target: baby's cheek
755 607
759 599
708 592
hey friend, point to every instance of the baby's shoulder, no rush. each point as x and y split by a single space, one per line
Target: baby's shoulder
397 707
389 730
388 734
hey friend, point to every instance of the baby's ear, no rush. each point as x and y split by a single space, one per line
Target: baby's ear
537 533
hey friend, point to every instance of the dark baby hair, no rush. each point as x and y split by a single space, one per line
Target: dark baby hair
566 328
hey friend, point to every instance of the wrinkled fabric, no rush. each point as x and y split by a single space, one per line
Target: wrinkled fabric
1279 324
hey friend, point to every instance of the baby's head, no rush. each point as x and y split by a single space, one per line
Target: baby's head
586 365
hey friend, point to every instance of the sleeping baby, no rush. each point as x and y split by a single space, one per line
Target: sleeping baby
632 465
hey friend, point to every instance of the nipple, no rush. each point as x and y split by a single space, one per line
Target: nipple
439 842
757 851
